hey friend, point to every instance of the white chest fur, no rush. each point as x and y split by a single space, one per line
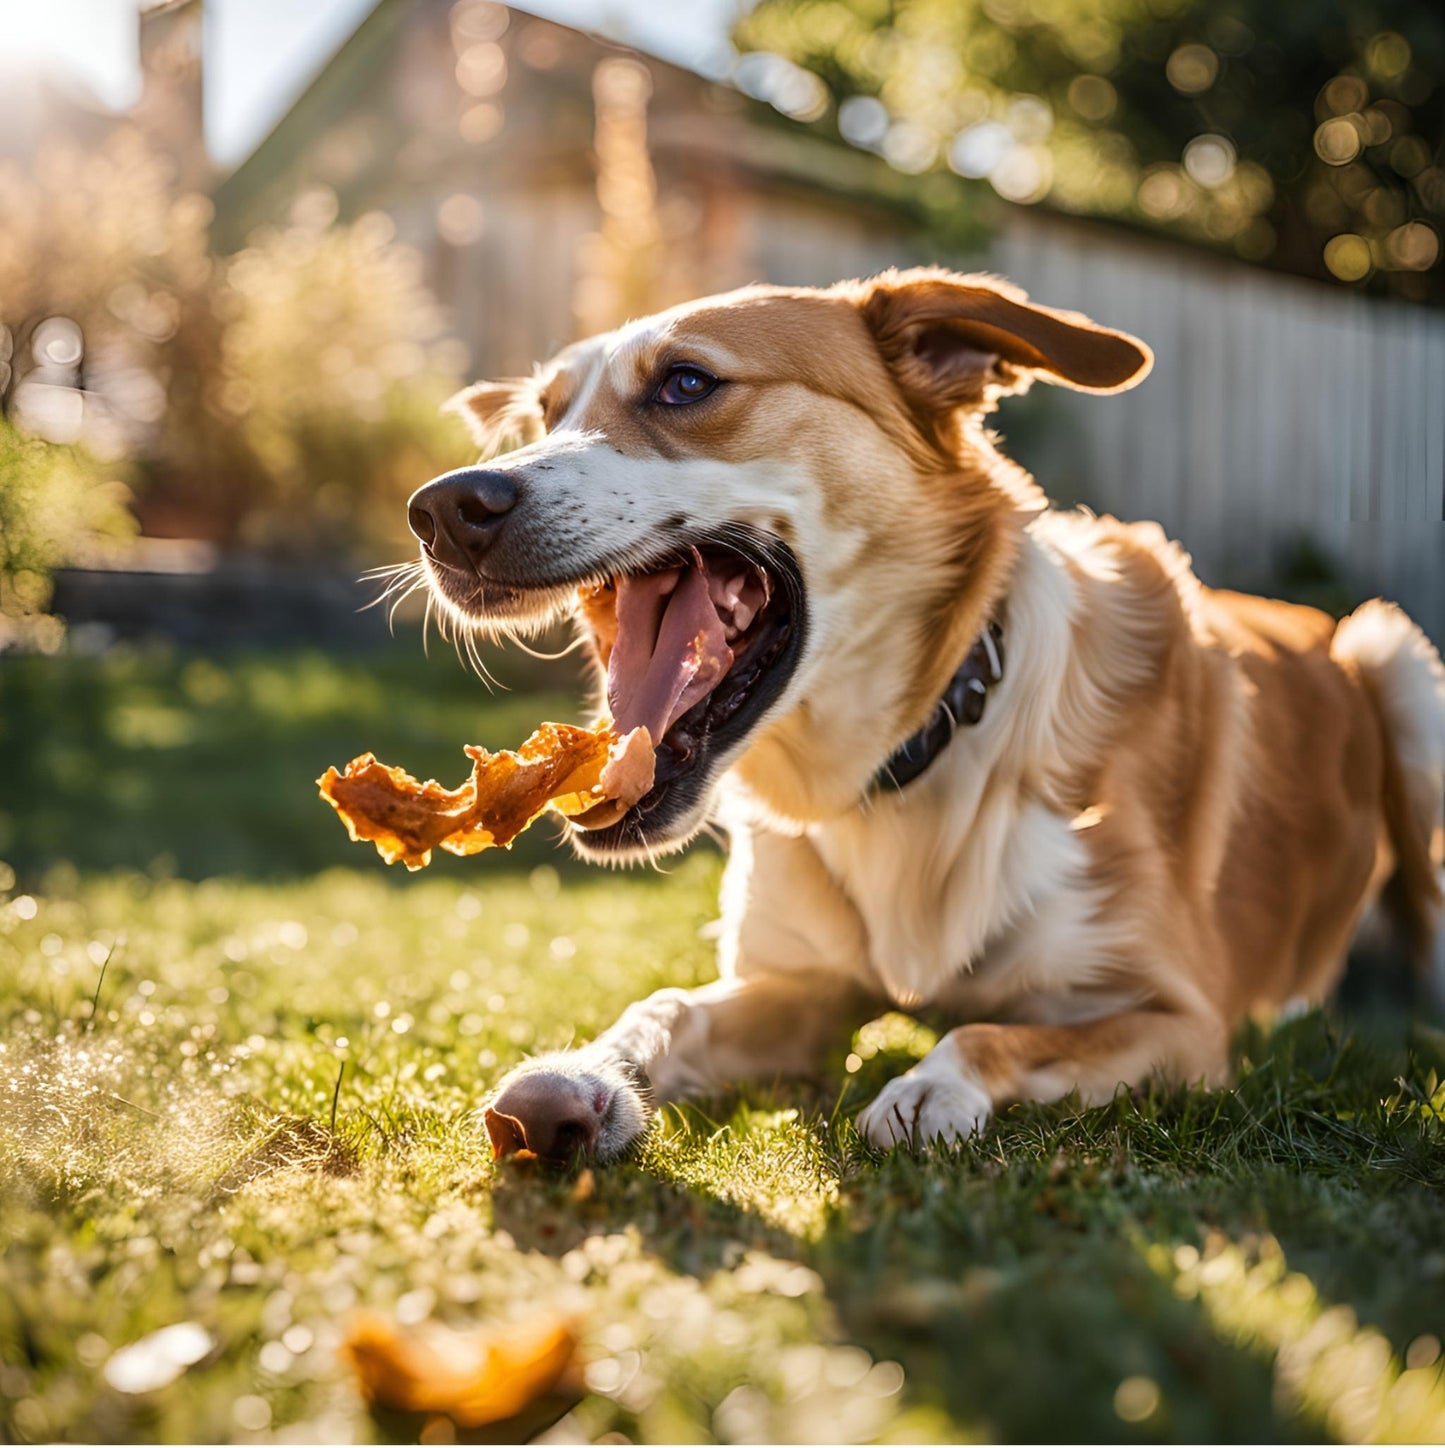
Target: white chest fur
970 891
974 900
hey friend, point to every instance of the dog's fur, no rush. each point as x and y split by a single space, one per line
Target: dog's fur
1177 806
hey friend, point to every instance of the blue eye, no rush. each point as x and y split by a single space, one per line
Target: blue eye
685 384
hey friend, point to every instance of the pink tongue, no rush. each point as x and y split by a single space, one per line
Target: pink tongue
671 649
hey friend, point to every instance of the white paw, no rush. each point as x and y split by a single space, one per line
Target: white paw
934 1102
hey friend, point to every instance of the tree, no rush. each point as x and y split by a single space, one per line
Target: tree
1307 137
331 364
57 505
286 396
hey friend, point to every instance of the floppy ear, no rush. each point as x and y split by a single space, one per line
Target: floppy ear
499 414
960 341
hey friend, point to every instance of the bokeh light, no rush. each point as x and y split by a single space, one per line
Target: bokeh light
1348 257
1210 160
1063 107
1192 69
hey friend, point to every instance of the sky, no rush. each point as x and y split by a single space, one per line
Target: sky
260 54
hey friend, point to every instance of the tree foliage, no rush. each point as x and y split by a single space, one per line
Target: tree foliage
285 396
57 505
1307 137
331 361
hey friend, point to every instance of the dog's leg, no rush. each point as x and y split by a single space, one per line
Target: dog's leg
676 1043
956 1087
793 984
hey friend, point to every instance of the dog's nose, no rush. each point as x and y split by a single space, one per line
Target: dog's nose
459 515
547 1113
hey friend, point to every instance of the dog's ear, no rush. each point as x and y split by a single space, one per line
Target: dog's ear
499 414
956 341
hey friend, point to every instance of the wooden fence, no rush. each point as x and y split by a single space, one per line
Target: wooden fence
1280 413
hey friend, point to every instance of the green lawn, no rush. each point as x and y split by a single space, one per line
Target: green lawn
245 1102
200 766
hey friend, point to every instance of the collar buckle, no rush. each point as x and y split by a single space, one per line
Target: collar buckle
962 704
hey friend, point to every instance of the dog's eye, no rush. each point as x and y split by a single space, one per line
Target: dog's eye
684 384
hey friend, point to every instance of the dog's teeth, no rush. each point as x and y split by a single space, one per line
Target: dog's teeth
742 617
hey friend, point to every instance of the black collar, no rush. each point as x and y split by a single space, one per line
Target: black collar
962 703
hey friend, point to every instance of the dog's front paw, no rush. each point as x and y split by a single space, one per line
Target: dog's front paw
934 1102
568 1105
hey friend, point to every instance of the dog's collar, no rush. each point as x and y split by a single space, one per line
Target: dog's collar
962 703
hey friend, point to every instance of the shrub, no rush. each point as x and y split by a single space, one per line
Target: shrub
57 506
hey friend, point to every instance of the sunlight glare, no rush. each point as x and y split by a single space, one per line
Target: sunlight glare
92 41
1327 1364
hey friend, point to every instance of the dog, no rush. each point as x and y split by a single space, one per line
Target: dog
1012 765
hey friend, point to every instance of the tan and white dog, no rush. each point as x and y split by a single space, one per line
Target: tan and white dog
785 530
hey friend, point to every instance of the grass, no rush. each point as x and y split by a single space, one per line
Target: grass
199 766
246 1103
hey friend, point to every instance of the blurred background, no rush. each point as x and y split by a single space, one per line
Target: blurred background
247 247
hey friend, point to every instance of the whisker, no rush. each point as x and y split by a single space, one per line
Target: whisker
393 577
391 612
385 570
401 585
401 575
514 638
652 860
479 666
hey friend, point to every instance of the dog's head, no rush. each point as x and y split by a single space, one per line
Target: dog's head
776 514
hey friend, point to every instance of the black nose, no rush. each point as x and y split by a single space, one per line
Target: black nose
459 515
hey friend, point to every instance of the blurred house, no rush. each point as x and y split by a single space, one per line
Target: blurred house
510 151
171 106
555 185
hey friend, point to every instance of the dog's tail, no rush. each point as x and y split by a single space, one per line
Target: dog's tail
1405 678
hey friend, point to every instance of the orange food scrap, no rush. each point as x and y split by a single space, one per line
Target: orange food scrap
573 770
473 1378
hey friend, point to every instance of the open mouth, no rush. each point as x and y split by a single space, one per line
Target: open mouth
696 650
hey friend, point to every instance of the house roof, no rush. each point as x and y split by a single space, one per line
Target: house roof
689 117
